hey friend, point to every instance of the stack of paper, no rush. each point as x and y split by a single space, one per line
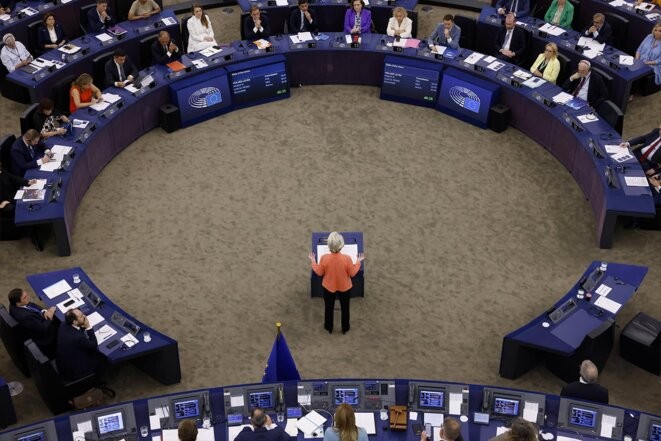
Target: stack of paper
199 63
104 37
167 21
262 44
552 30
210 51
310 423
69 48
562 98
30 195
474 58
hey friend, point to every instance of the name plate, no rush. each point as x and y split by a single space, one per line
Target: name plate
355 45
312 45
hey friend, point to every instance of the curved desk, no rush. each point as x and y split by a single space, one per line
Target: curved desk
578 146
430 399
159 358
573 329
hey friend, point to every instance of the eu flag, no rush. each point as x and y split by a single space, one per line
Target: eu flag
280 365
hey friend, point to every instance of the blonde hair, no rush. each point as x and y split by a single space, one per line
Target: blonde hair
335 242
82 80
554 49
345 422
399 9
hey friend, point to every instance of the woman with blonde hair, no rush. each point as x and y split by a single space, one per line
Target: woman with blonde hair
200 32
336 270
345 428
547 65
399 24
83 93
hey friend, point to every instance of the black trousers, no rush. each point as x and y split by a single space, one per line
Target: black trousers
329 303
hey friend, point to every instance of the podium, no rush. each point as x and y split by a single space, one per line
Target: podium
358 281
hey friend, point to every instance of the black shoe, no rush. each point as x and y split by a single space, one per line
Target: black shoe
344 331
330 330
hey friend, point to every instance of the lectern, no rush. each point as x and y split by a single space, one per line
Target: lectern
351 238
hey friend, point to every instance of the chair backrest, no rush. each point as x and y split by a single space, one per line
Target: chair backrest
246 16
27 117
565 69
13 338
145 51
83 17
575 23
60 93
33 38
620 26
413 15
184 33
468 27
99 69
5 146
55 392
609 111
608 80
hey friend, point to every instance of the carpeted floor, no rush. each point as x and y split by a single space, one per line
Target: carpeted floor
469 234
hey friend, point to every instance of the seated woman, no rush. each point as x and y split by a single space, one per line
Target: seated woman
547 65
399 24
344 428
47 120
200 32
358 20
50 35
560 13
83 93
649 52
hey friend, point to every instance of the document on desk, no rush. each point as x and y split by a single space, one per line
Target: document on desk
607 424
30 195
350 250
645 6
603 290
199 63
530 410
104 37
39 185
61 149
636 181
366 421
607 304
496 65
95 318
69 48
435 419
552 30
50 166
85 426
438 49
291 428
210 51
591 44
310 422
103 105
79 123
68 304
622 156
56 289
29 11
474 58
349 39
167 21
562 98
534 82
104 333
626 60
455 403
615 148
587 118
653 16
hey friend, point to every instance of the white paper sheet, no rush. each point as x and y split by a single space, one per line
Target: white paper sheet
350 250
51 165
530 410
168 21
455 403
56 289
349 39
68 304
61 149
608 304
85 426
69 48
439 49
626 60
495 65
622 156
104 333
552 30
233 431
636 181
199 63
615 148
39 185
95 318
435 419
104 37
78 436
607 424
130 340
474 58
603 290
310 423
155 422
587 118
236 401
366 421
562 98
291 428
413 416
210 51
79 123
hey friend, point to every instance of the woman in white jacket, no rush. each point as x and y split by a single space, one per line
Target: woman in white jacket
200 32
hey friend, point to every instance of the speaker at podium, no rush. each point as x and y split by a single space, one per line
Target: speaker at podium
353 245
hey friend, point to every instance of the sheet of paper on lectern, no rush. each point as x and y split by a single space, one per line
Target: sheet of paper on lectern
350 250
455 403
56 289
607 424
530 410
310 423
435 419
366 421
608 304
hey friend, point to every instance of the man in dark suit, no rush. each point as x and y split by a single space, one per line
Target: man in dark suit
586 85
302 19
450 430
164 51
256 26
120 71
600 30
586 388
520 8
645 147
36 322
77 354
262 429
510 43
99 19
27 152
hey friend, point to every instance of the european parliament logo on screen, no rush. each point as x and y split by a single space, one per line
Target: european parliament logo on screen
465 98
205 97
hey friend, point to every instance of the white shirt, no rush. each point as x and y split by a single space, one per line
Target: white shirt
11 57
197 32
583 93
508 39
404 28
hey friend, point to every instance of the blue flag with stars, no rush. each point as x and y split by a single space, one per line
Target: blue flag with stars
280 365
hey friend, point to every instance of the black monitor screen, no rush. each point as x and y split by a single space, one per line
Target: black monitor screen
655 431
31 436
263 399
348 395
506 406
110 423
431 399
582 417
186 408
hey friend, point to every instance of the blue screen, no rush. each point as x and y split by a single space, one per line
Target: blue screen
35 436
202 96
234 419
655 431
261 399
259 83
347 395
505 406
110 423
466 97
431 399
294 412
410 84
581 417
189 408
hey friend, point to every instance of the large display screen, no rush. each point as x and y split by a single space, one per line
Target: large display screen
506 406
262 399
201 97
348 395
258 81
186 408
410 81
467 97
582 417
431 399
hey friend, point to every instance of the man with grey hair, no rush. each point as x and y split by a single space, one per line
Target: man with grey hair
14 55
586 85
262 428
586 388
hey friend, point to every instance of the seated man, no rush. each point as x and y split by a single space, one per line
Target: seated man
262 429
120 71
77 353
6 6
600 30
520 8
586 388
302 19
99 19
187 430
14 55
510 43
560 13
586 85
450 430
143 9
27 152
256 26
37 323
164 51
521 430
446 33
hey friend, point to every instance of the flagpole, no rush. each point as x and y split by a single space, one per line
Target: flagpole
278 325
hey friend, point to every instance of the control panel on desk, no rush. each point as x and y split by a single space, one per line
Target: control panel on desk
44 431
649 428
588 418
362 395
437 397
506 405
108 424
172 409
241 400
